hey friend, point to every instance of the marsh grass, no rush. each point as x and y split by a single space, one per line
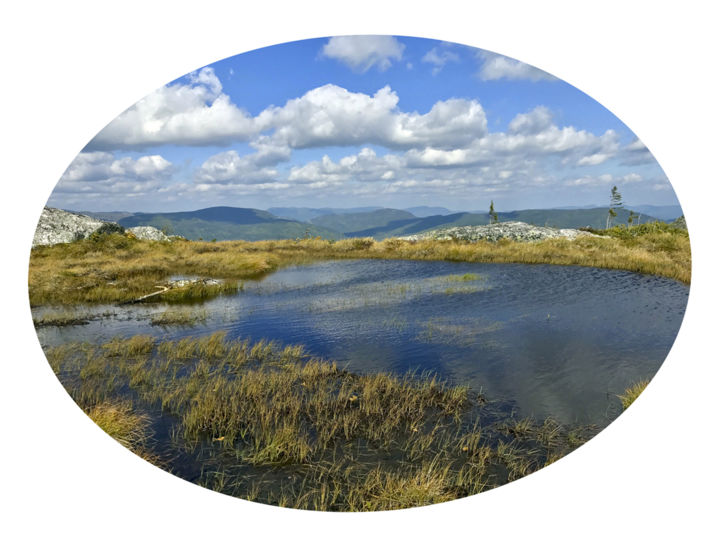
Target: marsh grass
183 318
119 420
61 319
196 292
463 278
632 393
272 423
114 268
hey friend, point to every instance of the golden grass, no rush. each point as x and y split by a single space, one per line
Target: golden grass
61 319
114 268
119 420
632 393
350 442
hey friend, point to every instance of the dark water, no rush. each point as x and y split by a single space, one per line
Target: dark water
552 340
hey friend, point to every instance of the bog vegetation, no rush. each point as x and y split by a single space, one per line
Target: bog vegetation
274 424
113 268
271 423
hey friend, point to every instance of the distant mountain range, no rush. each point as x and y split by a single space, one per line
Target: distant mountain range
224 223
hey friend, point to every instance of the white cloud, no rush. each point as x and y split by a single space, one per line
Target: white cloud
533 146
333 116
636 153
363 166
192 113
632 177
363 52
231 168
103 170
496 67
439 56
531 123
606 180
198 113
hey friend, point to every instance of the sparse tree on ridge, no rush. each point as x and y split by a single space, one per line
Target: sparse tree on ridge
632 217
615 203
492 214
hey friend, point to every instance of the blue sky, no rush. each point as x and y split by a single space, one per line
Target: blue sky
362 120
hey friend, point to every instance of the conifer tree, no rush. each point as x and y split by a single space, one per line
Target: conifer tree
492 214
615 203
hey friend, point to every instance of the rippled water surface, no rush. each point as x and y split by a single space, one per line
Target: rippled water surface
552 340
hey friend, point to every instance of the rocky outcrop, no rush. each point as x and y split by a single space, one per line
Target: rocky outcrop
517 231
148 232
58 226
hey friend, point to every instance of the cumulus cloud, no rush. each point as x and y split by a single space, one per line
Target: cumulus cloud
636 153
445 150
198 113
439 56
531 123
496 67
231 168
532 145
606 180
103 167
98 176
530 136
363 52
333 116
194 112
366 165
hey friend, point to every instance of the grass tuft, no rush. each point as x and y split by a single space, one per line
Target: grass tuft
632 393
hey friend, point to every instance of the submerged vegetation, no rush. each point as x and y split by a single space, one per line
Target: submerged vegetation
172 317
114 268
60 319
270 423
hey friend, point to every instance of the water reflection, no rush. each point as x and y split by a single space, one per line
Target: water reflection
554 340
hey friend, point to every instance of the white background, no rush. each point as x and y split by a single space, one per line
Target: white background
70 67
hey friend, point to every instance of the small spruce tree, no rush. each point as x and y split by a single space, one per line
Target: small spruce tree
632 217
615 203
492 214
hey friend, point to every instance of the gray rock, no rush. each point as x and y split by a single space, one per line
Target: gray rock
58 226
517 231
148 232
680 223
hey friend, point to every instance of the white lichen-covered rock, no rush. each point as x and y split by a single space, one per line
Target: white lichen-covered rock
58 226
148 232
518 231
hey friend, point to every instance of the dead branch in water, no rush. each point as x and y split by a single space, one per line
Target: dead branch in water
140 299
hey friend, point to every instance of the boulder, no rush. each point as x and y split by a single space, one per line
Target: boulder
148 232
679 223
58 226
